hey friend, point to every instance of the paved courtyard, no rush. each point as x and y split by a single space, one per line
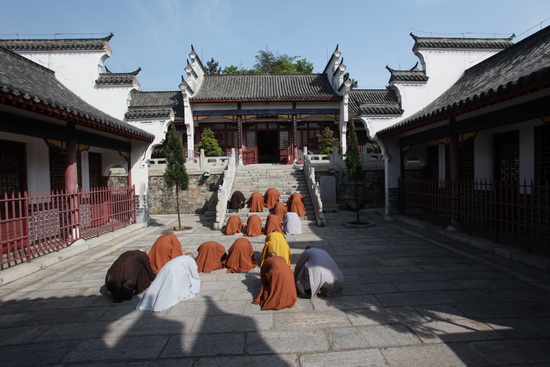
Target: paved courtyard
411 298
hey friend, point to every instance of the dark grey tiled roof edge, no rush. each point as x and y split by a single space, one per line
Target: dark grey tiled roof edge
473 43
115 79
155 104
260 87
55 44
373 101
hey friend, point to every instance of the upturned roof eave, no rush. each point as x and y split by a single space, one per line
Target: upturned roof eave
331 99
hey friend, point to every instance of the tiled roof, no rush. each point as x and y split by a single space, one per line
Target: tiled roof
473 43
155 104
523 64
373 102
28 83
412 75
117 78
55 44
265 87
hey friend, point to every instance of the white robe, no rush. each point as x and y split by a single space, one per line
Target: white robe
316 271
291 223
177 281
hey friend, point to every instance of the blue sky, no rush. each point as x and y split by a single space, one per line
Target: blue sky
156 35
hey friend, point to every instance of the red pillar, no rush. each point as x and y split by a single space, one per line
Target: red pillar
71 177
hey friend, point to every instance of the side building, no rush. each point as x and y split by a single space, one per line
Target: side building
481 149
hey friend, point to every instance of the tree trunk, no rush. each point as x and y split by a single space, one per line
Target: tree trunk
178 205
357 200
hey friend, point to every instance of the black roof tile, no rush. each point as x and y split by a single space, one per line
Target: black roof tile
55 44
373 101
155 104
265 87
473 43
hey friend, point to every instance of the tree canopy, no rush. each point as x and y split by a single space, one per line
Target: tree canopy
269 63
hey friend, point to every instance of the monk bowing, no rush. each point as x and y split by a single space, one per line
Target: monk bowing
165 248
256 202
272 223
295 203
234 225
271 197
276 242
211 257
280 210
254 226
240 256
278 289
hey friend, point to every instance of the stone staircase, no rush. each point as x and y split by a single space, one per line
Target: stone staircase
260 177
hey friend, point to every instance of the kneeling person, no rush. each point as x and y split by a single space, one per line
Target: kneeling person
177 281
278 289
316 273
129 275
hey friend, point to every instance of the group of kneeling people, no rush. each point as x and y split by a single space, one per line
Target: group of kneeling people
283 218
168 276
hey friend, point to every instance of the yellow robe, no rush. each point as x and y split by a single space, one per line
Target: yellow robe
276 242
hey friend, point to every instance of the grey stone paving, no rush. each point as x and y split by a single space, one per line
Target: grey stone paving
411 298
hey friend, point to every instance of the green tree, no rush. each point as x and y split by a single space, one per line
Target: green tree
354 165
209 143
326 141
268 63
304 67
212 67
175 173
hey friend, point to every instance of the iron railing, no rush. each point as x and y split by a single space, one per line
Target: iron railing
34 224
511 213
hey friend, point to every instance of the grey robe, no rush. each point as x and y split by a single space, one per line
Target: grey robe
292 224
316 271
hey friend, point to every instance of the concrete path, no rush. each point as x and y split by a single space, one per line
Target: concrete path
411 298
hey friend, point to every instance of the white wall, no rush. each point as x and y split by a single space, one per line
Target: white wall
77 70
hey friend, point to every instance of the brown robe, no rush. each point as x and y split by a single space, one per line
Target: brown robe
256 202
130 274
234 225
278 289
165 248
240 256
254 226
272 223
271 198
295 204
280 210
237 200
211 257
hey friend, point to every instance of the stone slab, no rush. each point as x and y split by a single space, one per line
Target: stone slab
363 358
268 342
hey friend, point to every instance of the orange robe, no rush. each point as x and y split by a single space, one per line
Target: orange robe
295 204
256 202
276 242
165 248
278 289
240 256
280 210
271 197
234 225
211 257
272 223
254 226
